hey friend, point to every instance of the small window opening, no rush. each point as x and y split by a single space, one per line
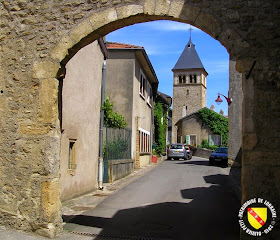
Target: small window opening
188 92
180 79
194 78
191 79
184 79
72 155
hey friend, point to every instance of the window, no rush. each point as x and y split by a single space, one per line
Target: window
188 92
144 141
191 140
180 79
184 79
142 84
149 94
194 77
191 78
72 155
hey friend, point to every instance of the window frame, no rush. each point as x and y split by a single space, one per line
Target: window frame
142 84
72 161
144 141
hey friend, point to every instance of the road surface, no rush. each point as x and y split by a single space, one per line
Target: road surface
187 200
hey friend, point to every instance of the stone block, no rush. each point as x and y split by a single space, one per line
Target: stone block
102 18
51 208
209 24
60 51
189 13
162 7
48 105
149 7
176 8
249 141
130 10
34 129
81 31
45 69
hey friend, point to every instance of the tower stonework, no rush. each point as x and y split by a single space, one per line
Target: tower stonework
189 86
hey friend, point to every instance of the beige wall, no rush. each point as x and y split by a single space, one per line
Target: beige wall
123 67
119 82
193 126
80 120
142 110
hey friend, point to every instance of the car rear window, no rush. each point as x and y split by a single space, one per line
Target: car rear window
176 146
222 150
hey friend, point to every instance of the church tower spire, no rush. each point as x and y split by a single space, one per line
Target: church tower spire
189 85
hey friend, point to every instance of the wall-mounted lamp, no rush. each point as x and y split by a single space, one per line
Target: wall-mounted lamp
219 100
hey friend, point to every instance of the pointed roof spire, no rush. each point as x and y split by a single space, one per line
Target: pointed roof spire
189 58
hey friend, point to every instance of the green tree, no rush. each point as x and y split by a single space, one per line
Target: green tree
112 119
160 128
216 122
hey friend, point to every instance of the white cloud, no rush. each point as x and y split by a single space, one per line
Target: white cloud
165 25
221 66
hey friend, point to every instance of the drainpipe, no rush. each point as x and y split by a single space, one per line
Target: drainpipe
100 159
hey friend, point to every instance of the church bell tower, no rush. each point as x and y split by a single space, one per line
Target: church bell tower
189 85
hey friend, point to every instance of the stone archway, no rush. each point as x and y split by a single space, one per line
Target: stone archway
31 137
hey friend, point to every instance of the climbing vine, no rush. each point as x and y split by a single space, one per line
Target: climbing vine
216 122
160 125
112 119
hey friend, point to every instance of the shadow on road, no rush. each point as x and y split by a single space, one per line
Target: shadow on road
202 163
212 213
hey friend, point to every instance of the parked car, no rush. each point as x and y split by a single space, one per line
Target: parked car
220 155
177 151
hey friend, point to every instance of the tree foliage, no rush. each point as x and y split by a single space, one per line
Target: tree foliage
216 122
160 128
112 119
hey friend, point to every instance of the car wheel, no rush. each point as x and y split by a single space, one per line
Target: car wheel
211 162
168 158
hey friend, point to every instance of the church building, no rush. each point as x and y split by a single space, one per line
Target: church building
189 86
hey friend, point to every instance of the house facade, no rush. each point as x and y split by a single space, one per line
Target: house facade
131 84
80 120
191 131
166 102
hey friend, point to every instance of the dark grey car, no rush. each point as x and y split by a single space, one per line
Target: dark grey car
177 151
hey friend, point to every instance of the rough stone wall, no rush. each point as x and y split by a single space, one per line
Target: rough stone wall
194 101
235 115
36 36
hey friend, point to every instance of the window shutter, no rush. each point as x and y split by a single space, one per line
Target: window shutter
211 140
188 139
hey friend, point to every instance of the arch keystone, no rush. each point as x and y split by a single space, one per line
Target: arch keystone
130 10
162 7
149 7
102 18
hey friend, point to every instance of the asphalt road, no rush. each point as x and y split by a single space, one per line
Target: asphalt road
187 200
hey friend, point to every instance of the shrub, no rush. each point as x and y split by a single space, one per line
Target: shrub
112 119
217 123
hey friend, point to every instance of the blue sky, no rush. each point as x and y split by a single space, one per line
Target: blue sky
164 42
